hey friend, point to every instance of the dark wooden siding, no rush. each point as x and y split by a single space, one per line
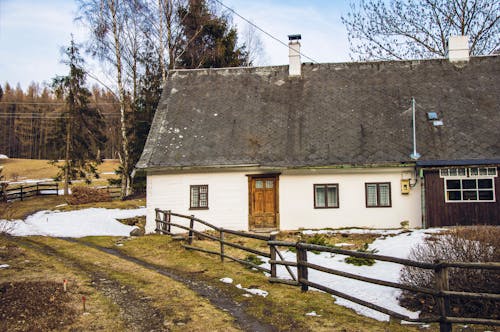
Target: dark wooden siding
439 213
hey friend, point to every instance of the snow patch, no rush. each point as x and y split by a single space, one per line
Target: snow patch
80 223
4 266
254 291
226 280
313 313
2 156
398 246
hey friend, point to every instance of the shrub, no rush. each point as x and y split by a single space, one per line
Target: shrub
471 244
359 261
83 195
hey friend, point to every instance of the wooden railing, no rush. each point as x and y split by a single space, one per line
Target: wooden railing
441 293
164 225
23 192
113 191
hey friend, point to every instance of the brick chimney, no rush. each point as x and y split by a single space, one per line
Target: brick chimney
458 48
294 68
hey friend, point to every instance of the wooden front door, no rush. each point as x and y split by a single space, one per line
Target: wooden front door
263 202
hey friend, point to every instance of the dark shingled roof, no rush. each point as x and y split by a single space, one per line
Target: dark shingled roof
335 114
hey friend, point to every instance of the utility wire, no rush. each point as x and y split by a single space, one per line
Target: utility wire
260 29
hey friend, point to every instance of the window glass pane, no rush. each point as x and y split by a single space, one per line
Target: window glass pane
194 197
331 196
461 171
485 195
483 171
492 171
385 195
259 184
470 195
444 172
453 184
469 184
473 171
269 184
320 196
485 183
371 194
454 196
453 172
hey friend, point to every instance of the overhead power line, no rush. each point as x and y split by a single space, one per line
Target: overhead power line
260 29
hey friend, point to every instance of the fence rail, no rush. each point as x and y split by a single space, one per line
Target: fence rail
23 192
441 293
164 225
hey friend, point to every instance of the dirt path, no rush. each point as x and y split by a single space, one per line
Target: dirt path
216 296
137 311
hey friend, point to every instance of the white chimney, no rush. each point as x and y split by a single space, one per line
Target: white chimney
294 69
458 48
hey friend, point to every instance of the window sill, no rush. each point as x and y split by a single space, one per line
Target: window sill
198 208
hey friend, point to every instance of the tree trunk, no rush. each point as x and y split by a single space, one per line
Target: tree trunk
125 188
67 156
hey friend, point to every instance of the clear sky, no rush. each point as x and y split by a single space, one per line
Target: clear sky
32 33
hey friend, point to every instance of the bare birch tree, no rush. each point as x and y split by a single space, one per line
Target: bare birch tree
401 29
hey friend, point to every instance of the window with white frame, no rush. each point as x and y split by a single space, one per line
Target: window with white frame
471 184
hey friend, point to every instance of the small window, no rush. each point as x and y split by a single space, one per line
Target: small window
199 197
378 194
326 196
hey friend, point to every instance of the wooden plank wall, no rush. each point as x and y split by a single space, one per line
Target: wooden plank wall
439 213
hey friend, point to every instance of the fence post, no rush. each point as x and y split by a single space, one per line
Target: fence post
221 231
302 273
191 226
168 217
442 284
272 252
57 189
21 192
37 190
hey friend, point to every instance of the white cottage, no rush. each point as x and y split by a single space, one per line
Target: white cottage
318 145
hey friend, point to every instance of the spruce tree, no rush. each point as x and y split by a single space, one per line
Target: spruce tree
79 134
208 39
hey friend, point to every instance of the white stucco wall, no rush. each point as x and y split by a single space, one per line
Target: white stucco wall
228 198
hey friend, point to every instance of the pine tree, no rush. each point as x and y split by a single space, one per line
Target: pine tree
209 41
80 130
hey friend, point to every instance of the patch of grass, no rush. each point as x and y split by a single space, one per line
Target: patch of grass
285 306
41 169
22 209
251 258
28 266
176 301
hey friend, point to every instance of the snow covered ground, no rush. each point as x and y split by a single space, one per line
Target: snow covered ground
79 223
398 245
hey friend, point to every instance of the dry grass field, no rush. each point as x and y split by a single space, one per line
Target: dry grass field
22 169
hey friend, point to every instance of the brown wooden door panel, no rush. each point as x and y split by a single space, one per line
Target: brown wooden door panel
263 202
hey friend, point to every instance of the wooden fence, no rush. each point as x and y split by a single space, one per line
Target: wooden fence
164 225
441 293
23 192
113 191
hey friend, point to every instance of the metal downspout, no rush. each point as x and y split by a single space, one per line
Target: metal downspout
422 198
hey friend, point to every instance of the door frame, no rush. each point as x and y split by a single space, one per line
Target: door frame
276 200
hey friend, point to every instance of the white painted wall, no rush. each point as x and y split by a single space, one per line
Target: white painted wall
228 198
297 200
